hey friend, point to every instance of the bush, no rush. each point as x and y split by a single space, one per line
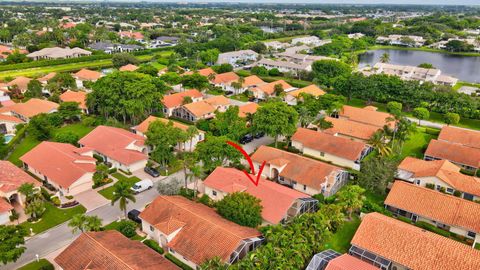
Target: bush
112 170
319 197
432 131
153 245
404 219
98 158
66 137
467 172
187 193
127 228
457 193
90 121
205 200
177 262
430 227
430 185
55 200
125 172
46 196
241 208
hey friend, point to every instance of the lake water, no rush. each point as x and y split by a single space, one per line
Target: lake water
465 68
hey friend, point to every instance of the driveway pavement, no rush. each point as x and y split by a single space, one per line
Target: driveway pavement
91 199
252 146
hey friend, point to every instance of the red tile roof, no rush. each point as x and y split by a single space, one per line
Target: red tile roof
143 127
454 152
311 89
65 163
251 108
327 143
200 108
368 115
113 142
204 72
110 250
205 233
269 88
176 100
276 199
435 205
303 170
128 67
351 128
252 80
10 118
134 35
12 177
88 75
413 247
218 101
5 206
47 77
33 107
467 137
21 82
348 262
75 96
225 78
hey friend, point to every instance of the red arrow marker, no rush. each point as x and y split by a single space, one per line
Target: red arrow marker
250 162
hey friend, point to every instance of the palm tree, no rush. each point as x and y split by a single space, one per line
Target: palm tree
93 223
83 223
377 141
123 194
304 117
191 132
77 223
237 86
35 208
29 191
196 172
385 58
211 76
323 124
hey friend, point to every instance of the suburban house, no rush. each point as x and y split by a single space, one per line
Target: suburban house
337 150
193 232
68 168
409 41
163 41
367 115
11 178
174 101
303 174
332 260
237 57
249 108
466 137
110 48
298 49
444 211
128 67
275 45
390 244
20 82
79 97
25 111
58 53
463 156
292 97
86 75
8 124
44 80
285 66
189 145
5 51
137 36
268 90
204 109
309 40
123 149
279 203
225 80
355 35
349 129
251 81
204 72
442 175
299 58
110 250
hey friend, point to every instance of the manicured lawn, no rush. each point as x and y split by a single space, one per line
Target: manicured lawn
41 264
108 192
340 241
78 128
240 97
158 65
416 144
114 226
52 217
23 147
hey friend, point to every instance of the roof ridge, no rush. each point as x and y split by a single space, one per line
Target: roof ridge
94 240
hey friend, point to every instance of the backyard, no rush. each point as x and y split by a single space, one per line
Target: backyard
340 241
52 217
416 144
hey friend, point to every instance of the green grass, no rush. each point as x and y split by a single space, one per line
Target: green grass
52 217
108 192
477 246
240 97
114 226
340 241
78 128
416 144
158 65
37 265
23 147
424 49
461 83
284 39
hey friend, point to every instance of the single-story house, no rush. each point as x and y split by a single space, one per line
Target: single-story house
340 151
268 90
44 79
463 136
367 115
204 109
204 72
225 80
349 129
332 260
110 250
301 173
442 175
20 82
11 178
58 53
8 123
189 145
292 97
128 67
123 149
444 211
175 101
279 203
79 97
463 156
68 168
5 211
285 66
86 75
25 111
236 57
389 243
193 232
251 81
137 36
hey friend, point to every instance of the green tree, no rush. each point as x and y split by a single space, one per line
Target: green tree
426 65
28 190
351 199
12 240
377 141
66 137
214 263
229 124
394 107
61 82
69 111
223 68
326 72
123 194
148 69
276 119
122 59
451 118
40 127
84 223
304 117
35 208
376 173
17 57
258 47
241 208
195 81
34 89
215 152
421 114
278 89
163 137
210 56
323 124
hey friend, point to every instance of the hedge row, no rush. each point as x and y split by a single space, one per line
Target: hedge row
153 245
44 63
177 262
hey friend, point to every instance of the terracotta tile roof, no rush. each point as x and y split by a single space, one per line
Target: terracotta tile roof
204 72
114 142
128 67
218 101
311 89
88 75
454 152
445 171
33 107
200 108
225 78
304 170
413 247
5 206
463 136
276 199
251 108
64 164
350 128
143 127
7 103
47 77
367 115
21 82
269 88
9 118
75 96
12 177
348 262
110 250
435 205
252 80
176 100
134 35
327 143
205 233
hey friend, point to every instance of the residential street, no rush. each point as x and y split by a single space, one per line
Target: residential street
60 236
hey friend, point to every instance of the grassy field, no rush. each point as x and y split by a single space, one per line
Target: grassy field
52 217
461 83
108 192
417 144
340 241
41 264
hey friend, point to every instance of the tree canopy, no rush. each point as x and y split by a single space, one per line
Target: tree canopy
276 119
241 208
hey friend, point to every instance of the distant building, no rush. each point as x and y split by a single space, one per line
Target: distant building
402 40
310 41
174 101
58 53
275 45
263 91
110 48
137 36
237 57
285 66
355 35
163 41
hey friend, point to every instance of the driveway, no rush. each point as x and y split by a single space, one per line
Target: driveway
252 146
91 199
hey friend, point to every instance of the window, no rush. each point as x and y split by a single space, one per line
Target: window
151 228
322 154
450 190
471 234
417 181
304 187
294 183
214 193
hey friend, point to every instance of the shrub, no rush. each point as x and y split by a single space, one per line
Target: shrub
442 189
432 228
127 228
467 172
187 193
89 121
404 219
66 137
153 245
98 158
46 195
319 197
125 172
205 200
55 200
177 262
457 193
241 208
432 131
69 197
112 170
430 185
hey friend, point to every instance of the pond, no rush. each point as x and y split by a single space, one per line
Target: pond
465 68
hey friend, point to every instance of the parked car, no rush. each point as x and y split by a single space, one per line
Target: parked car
246 139
151 171
133 215
142 186
259 135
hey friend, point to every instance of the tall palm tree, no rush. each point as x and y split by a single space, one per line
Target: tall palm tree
28 190
191 132
377 141
304 117
83 223
196 173
385 58
123 194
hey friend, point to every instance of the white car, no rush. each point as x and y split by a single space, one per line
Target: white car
142 186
